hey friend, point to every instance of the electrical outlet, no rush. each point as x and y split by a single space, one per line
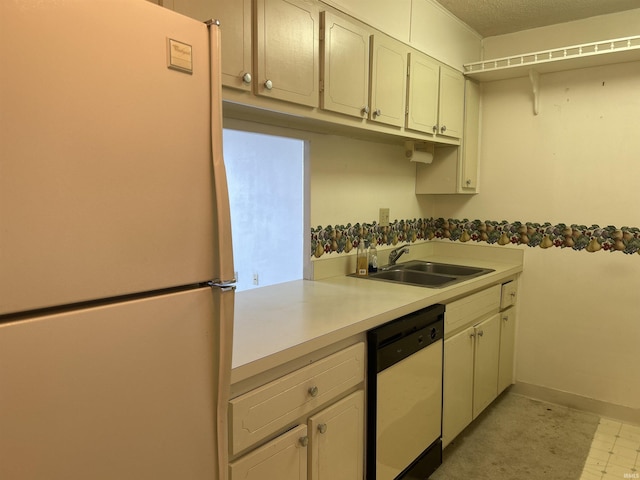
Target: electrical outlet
384 217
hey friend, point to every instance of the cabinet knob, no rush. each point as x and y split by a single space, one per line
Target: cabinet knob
480 333
304 441
377 112
505 318
268 84
322 428
365 110
468 182
313 391
472 335
435 129
443 128
246 78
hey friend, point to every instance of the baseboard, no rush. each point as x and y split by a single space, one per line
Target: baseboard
578 402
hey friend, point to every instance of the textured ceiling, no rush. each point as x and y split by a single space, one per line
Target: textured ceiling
497 17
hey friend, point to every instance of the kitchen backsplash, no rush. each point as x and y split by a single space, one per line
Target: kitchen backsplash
344 238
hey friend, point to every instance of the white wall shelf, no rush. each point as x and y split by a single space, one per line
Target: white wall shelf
593 54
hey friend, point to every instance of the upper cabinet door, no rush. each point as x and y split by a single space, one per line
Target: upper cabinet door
451 102
345 66
422 107
288 43
388 80
235 26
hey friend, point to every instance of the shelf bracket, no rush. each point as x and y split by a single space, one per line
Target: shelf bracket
535 80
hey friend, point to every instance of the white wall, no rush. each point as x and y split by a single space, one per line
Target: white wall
266 190
576 162
594 29
352 179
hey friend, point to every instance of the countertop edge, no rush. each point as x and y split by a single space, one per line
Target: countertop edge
418 300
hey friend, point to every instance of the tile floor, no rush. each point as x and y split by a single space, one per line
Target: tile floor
615 452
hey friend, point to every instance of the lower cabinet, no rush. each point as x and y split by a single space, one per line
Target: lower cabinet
308 424
329 447
485 368
507 347
478 357
284 458
336 440
457 408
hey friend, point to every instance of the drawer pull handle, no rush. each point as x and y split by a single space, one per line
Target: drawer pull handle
304 441
322 428
313 391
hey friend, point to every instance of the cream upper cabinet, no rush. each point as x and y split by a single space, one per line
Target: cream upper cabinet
455 169
345 66
235 28
422 102
288 50
468 178
451 104
435 102
336 437
388 80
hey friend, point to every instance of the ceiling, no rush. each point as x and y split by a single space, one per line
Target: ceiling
497 17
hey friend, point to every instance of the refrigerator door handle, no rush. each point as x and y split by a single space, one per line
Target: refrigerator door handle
223 286
223 216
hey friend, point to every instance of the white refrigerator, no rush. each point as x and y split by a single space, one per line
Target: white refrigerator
116 268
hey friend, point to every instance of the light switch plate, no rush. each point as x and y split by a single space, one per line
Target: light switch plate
384 217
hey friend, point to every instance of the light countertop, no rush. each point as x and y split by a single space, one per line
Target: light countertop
279 323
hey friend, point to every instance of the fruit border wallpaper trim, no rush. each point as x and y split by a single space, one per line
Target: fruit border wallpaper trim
344 238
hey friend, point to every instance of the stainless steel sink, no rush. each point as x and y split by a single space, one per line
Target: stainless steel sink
427 274
443 268
412 277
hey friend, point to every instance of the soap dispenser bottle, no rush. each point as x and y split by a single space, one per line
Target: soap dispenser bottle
362 263
373 257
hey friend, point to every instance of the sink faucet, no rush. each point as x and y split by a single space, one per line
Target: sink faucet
396 253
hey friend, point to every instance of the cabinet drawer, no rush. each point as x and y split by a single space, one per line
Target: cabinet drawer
509 294
263 411
464 311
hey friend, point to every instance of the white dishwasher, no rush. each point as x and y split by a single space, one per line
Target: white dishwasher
404 400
